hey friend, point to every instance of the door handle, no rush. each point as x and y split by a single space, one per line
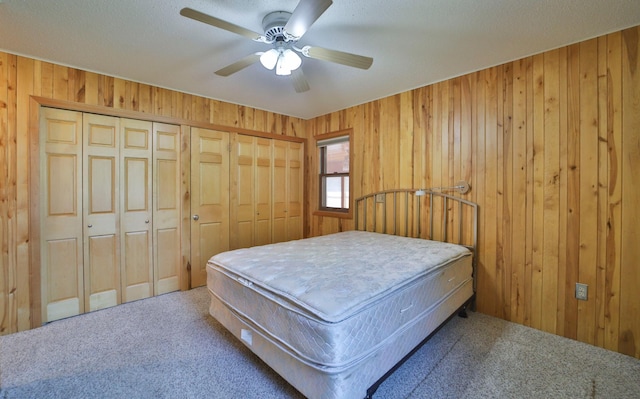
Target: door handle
196 217
90 226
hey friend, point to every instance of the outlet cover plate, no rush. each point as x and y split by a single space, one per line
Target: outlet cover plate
582 291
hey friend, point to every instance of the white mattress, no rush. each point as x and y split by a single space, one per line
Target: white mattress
332 314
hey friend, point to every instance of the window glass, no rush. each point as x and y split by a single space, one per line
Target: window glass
335 192
337 158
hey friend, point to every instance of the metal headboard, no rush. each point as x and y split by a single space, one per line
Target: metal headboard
433 216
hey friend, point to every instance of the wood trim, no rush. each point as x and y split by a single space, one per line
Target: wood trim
122 113
340 215
34 214
185 191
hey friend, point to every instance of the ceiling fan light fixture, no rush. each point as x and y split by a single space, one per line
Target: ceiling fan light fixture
268 59
283 60
281 70
291 60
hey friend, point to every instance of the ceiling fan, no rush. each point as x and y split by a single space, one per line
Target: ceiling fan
283 30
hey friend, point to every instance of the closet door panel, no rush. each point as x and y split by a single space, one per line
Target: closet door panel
209 199
166 208
136 243
242 192
104 285
167 274
101 211
64 293
61 216
263 201
279 222
294 192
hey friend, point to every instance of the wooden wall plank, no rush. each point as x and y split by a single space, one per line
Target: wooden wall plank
60 82
46 76
562 289
467 88
550 188
117 96
491 184
603 191
588 186
573 189
5 289
406 140
90 88
389 141
614 201
13 273
528 265
505 162
519 184
629 340
537 244
19 178
483 281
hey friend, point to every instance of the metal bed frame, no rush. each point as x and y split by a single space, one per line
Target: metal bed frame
400 212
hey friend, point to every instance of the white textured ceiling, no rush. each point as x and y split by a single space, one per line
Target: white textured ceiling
413 42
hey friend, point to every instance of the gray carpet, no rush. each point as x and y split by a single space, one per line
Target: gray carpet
169 347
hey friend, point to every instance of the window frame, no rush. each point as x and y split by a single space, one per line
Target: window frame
326 211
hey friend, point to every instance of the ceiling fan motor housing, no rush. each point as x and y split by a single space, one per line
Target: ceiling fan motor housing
273 24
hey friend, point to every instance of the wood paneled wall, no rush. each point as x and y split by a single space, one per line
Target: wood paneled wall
551 147
20 79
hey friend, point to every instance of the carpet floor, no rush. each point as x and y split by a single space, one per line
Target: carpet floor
170 347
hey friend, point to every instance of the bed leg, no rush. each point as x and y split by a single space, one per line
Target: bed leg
471 303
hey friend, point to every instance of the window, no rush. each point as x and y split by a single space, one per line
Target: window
334 172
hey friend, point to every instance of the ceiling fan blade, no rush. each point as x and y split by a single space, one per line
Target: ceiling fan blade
218 23
305 14
340 57
239 65
299 81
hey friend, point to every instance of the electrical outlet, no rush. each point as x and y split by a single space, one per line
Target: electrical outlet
582 291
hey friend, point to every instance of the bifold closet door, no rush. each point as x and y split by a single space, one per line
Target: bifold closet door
251 188
263 189
287 190
61 253
136 222
280 188
166 208
242 212
295 185
209 199
101 203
